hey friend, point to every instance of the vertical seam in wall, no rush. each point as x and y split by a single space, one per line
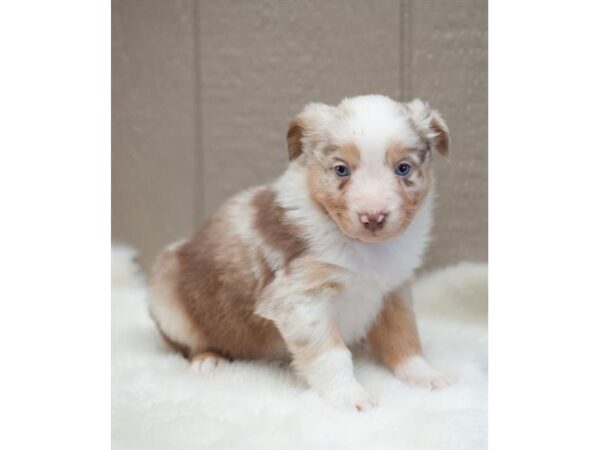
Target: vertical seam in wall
409 49
401 48
198 206
406 49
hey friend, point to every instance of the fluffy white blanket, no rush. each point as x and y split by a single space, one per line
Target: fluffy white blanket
159 403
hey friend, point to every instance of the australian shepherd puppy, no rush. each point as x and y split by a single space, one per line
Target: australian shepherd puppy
319 260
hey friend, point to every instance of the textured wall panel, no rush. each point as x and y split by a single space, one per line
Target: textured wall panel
153 159
261 61
203 92
448 50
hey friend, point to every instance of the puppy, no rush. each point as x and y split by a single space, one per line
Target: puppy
305 267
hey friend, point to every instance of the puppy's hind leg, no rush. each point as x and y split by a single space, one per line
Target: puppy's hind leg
168 310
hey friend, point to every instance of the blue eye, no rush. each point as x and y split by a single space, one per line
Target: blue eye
402 169
341 170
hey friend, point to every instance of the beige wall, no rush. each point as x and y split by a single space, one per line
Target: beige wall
202 93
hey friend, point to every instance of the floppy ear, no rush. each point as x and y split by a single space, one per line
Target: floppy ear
431 126
294 137
306 128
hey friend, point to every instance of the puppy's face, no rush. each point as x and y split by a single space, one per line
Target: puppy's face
368 161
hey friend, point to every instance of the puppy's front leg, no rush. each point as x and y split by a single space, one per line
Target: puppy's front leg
395 339
321 356
318 352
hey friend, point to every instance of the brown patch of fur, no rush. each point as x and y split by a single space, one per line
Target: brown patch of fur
343 183
274 227
414 187
394 336
326 192
294 138
397 152
314 181
349 154
219 289
441 142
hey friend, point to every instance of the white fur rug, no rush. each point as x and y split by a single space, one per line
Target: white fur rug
159 403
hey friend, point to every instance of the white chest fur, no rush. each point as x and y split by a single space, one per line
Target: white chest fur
377 269
378 272
355 310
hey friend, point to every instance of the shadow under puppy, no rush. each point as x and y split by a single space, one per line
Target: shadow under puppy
318 260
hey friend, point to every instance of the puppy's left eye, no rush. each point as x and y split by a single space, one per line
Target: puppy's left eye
342 170
402 169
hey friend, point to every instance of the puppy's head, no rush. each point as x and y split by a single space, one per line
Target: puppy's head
368 161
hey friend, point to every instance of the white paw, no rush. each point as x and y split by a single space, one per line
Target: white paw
354 397
206 364
418 372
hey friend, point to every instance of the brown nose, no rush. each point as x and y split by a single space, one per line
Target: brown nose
373 221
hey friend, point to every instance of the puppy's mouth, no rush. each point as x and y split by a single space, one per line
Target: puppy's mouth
368 236
372 237
391 230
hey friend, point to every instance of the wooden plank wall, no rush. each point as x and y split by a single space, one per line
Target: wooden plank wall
202 92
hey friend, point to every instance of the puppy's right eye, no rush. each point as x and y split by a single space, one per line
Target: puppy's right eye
341 170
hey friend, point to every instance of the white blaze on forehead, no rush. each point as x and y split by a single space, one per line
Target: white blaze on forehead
373 122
